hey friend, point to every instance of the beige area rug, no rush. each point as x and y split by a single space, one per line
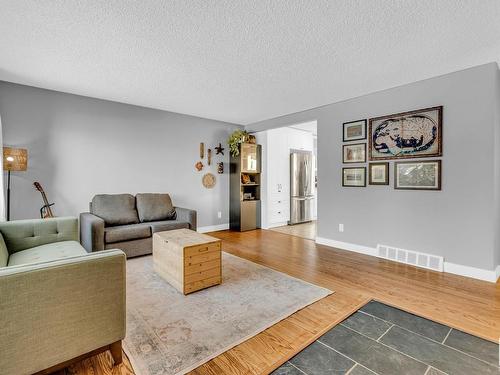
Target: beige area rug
169 333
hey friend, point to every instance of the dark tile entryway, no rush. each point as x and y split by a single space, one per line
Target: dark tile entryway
379 339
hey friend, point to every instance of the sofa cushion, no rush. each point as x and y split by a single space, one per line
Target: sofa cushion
46 253
160 226
126 232
151 207
115 209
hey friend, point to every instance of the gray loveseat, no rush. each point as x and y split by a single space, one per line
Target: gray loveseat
126 222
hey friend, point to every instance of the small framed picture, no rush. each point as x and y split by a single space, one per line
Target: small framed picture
378 173
354 153
354 177
354 130
418 175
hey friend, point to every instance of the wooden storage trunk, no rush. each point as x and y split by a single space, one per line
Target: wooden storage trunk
188 260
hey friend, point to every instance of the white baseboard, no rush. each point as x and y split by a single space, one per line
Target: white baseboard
213 228
475 273
457 269
347 246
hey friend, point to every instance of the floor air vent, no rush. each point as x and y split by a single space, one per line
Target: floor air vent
415 258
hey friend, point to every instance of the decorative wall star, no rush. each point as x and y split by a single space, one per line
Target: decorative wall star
219 149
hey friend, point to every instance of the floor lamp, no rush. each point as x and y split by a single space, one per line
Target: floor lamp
14 160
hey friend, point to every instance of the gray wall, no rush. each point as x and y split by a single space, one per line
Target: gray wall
80 146
461 221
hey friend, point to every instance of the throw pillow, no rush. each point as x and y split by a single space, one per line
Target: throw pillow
154 207
115 209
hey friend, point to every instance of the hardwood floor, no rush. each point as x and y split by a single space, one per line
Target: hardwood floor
305 230
469 305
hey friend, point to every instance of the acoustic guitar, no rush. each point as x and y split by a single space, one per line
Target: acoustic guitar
45 211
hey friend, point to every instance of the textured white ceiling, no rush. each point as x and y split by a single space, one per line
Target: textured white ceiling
240 61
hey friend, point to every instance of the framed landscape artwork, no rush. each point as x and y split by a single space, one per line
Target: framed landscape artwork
354 153
354 130
378 173
414 134
418 175
354 177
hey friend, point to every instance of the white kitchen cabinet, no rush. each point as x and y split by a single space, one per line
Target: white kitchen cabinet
300 140
278 165
279 210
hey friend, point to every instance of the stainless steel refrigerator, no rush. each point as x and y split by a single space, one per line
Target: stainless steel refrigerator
301 186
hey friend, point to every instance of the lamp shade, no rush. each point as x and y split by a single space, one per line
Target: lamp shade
15 159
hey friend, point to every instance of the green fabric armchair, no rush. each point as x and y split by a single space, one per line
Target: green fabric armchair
57 302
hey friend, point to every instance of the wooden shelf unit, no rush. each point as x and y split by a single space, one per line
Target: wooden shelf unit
244 213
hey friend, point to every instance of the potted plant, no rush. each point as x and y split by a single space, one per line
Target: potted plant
235 140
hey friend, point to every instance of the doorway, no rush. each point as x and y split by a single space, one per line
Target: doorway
289 179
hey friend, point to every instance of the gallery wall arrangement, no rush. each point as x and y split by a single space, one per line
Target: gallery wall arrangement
208 180
405 135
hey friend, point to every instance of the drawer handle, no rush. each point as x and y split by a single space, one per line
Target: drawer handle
203 250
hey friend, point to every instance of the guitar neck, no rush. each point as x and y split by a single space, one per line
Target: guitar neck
44 198
48 210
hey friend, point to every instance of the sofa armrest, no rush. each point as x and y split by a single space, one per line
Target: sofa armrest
91 232
54 311
4 253
185 214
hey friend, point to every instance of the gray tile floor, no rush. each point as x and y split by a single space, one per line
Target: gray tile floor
379 339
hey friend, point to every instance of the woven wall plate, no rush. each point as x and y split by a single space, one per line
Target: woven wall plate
208 180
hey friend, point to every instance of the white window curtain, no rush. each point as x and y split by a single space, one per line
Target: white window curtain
2 193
